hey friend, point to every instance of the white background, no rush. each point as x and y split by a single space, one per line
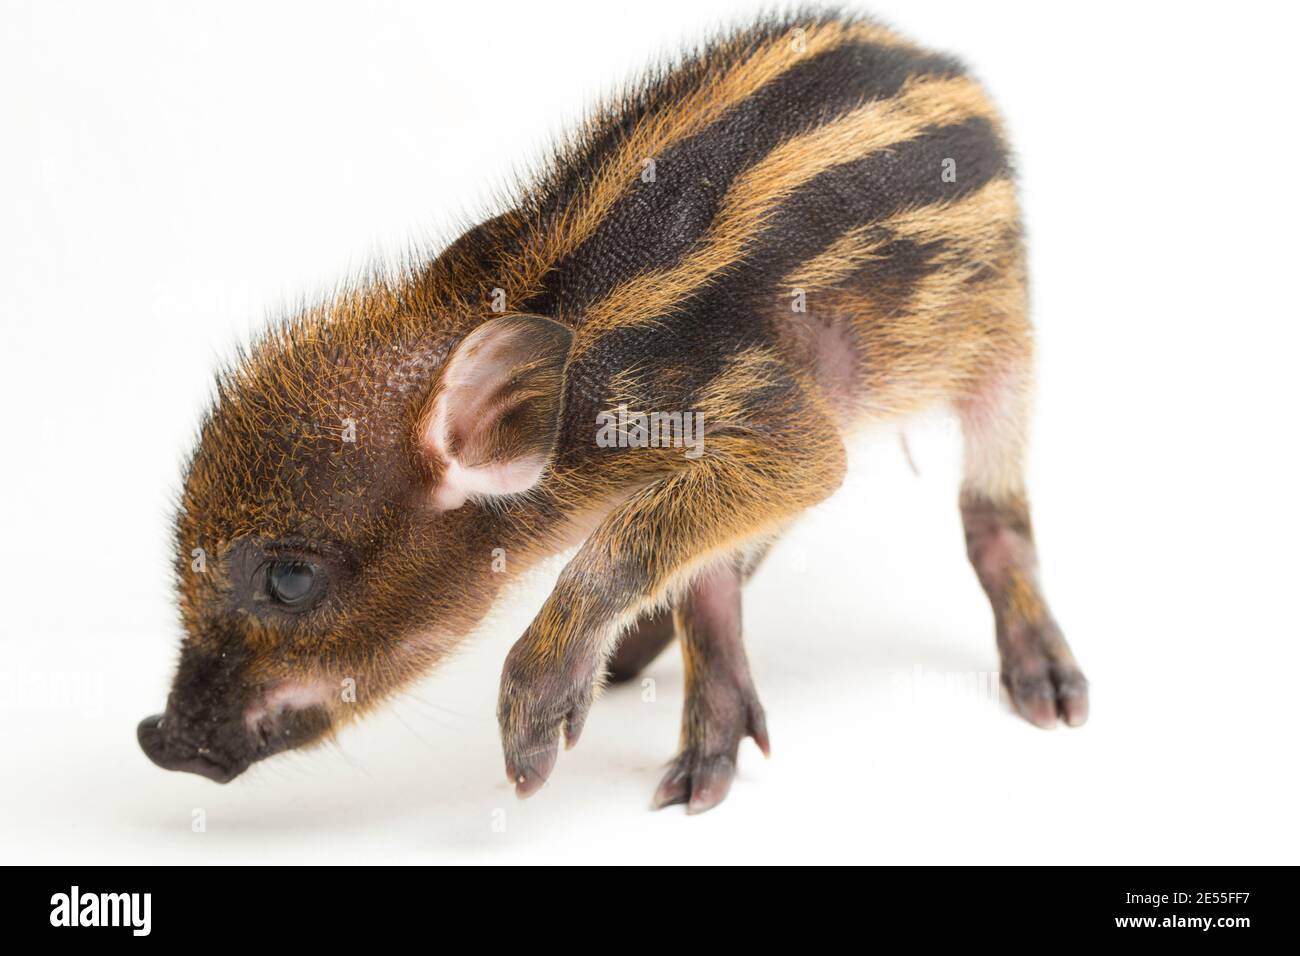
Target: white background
172 174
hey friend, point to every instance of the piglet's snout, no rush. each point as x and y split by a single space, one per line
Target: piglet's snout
221 742
172 748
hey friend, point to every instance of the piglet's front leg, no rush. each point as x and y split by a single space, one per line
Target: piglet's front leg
545 691
648 549
551 674
722 707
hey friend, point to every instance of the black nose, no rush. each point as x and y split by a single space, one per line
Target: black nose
169 754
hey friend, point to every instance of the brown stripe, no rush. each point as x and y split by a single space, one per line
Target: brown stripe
877 125
687 117
974 225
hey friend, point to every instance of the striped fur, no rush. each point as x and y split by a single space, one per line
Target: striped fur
830 237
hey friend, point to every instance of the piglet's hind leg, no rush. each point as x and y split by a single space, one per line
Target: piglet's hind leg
1039 671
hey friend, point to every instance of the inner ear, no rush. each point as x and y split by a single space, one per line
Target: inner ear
492 421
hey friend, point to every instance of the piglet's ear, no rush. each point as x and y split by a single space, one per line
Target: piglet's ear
492 421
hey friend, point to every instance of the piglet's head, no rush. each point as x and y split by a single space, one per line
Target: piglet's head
340 523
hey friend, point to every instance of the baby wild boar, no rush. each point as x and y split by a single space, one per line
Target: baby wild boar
805 228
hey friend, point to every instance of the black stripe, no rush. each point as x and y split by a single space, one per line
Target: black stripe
658 93
734 310
653 224
908 175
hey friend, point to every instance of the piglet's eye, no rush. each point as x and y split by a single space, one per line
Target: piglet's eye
290 582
